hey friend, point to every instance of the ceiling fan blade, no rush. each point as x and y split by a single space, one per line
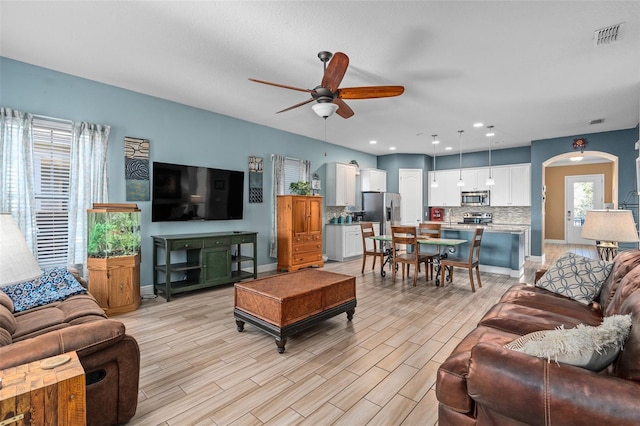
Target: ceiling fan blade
343 109
282 85
296 105
369 92
335 71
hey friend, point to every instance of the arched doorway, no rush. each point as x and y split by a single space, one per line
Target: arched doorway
553 214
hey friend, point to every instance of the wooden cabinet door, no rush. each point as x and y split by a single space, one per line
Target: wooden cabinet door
315 216
299 213
216 264
121 289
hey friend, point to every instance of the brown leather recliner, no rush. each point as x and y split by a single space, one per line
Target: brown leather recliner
481 382
110 357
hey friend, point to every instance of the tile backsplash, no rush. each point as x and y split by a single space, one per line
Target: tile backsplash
501 215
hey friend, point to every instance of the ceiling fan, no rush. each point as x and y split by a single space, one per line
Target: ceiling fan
328 92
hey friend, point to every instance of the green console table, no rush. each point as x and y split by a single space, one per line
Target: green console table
206 260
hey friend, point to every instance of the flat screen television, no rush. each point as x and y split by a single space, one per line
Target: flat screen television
183 193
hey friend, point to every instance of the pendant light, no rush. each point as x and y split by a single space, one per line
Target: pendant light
460 182
490 181
434 184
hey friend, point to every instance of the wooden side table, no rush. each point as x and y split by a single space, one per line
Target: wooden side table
33 395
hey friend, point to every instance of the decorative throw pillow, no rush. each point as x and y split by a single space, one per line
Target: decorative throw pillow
593 348
54 285
577 277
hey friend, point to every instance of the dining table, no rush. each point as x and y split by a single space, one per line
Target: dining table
449 244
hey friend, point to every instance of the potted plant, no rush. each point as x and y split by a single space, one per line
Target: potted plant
300 188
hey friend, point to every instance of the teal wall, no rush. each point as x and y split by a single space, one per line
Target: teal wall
620 143
187 135
177 133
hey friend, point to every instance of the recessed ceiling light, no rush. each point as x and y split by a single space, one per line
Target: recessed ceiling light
478 124
392 148
448 148
490 134
373 142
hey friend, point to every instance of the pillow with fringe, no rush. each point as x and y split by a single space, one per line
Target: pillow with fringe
593 348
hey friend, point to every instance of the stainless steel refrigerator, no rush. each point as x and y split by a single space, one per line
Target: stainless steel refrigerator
383 207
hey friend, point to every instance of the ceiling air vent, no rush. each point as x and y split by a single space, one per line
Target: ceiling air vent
608 35
597 121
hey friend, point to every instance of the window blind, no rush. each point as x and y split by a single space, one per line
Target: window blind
52 163
292 172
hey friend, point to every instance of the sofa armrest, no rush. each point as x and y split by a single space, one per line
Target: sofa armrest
539 274
534 391
84 338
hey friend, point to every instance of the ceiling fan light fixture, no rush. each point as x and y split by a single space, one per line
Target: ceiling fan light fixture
324 109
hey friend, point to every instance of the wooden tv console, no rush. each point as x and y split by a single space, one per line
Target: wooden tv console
207 260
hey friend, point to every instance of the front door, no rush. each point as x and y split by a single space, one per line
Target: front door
582 193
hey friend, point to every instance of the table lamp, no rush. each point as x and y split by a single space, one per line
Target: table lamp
608 228
17 263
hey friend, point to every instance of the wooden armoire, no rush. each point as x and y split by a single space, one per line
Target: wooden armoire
299 232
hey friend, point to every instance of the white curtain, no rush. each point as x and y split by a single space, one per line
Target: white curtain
277 178
16 171
305 170
88 182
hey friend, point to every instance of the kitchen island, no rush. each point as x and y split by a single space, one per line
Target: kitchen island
503 249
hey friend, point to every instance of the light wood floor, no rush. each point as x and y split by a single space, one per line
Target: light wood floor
379 369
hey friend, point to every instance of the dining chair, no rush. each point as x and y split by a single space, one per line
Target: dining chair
473 261
406 236
430 230
366 229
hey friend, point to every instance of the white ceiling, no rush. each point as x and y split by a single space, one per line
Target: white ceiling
530 68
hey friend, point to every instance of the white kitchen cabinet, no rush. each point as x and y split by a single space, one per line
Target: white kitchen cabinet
341 184
475 179
343 241
373 180
513 186
447 193
521 185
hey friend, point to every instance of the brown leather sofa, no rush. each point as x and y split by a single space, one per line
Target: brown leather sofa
110 357
482 383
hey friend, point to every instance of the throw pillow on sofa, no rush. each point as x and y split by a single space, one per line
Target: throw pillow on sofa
577 277
54 285
593 348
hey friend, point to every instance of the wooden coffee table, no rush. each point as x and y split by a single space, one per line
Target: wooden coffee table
285 304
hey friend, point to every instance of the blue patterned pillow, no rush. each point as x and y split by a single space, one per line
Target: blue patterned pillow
577 277
54 285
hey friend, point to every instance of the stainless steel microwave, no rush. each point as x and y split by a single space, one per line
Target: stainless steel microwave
474 198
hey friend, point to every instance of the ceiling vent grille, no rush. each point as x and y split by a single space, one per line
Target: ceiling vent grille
597 121
608 35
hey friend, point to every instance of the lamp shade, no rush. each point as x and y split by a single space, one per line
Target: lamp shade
17 263
610 225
